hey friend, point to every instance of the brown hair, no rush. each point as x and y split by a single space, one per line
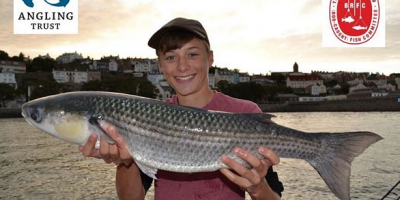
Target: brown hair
175 39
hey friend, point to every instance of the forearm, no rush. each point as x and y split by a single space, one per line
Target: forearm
128 182
264 192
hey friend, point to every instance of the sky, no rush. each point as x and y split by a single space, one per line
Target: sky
258 36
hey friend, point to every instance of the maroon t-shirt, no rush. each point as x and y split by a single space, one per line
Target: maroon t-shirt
203 185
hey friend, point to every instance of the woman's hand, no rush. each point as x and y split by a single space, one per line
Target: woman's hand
252 180
110 153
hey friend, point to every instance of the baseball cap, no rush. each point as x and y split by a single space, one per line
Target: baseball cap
190 25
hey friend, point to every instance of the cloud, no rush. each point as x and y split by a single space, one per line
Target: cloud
254 35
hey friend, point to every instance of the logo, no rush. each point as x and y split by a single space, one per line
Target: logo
355 23
45 16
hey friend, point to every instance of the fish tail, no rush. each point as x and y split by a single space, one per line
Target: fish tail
335 156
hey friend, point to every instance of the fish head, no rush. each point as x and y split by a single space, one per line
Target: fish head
60 117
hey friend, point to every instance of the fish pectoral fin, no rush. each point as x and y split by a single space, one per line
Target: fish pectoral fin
96 122
149 171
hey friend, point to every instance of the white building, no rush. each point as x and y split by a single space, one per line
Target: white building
113 66
145 65
335 97
68 57
356 81
311 98
75 76
317 89
211 80
164 92
12 66
156 77
379 93
8 77
360 86
302 81
244 78
223 75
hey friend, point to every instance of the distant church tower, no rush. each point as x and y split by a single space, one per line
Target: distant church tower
295 67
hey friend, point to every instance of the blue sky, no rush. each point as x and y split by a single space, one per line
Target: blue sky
255 36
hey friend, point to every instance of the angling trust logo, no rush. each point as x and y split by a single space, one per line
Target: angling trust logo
45 16
354 23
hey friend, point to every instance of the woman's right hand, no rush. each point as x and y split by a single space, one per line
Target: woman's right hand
110 153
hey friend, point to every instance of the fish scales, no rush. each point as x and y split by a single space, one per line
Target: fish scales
205 137
184 139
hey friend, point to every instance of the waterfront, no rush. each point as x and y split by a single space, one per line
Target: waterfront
37 166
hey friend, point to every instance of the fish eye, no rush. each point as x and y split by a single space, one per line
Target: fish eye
35 115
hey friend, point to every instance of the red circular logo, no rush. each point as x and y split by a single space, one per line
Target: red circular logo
354 21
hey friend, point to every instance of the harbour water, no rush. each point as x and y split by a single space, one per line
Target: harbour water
34 165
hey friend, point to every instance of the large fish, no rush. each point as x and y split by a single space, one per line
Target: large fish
185 139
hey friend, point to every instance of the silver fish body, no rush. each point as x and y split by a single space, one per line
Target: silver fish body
185 139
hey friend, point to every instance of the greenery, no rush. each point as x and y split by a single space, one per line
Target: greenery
44 88
41 64
7 93
123 84
252 91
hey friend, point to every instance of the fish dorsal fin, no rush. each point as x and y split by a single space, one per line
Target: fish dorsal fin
260 117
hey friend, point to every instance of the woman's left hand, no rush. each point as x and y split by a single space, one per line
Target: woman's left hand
251 180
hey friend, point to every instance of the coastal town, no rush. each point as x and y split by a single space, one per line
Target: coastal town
21 79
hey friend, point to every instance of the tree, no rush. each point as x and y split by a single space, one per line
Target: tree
40 64
45 88
249 91
123 84
345 88
7 92
4 55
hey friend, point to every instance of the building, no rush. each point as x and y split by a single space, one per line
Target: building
336 97
47 56
164 92
63 76
125 66
311 98
155 77
144 65
363 93
379 93
302 81
12 66
316 89
68 57
8 77
223 75
244 78
355 81
211 80
262 80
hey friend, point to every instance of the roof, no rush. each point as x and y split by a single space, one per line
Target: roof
307 77
12 63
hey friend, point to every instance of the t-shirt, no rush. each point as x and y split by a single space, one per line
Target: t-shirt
209 185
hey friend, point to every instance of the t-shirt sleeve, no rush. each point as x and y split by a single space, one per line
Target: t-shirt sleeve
273 181
146 181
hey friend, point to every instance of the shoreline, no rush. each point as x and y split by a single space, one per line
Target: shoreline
10 113
379 104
